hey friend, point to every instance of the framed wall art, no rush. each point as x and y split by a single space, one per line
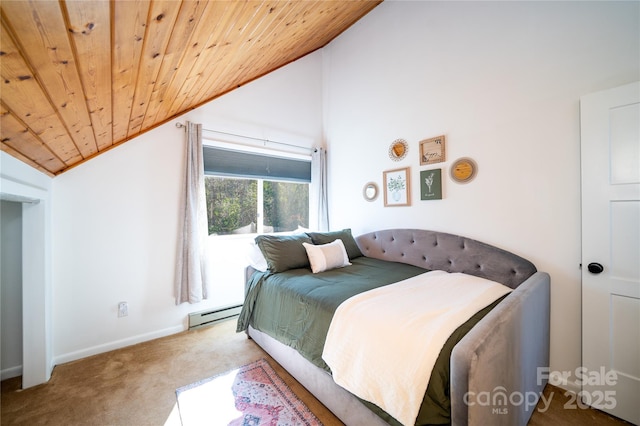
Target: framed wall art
431 184
432 150
397 187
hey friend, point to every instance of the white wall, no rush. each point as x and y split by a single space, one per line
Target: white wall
116 216
502 81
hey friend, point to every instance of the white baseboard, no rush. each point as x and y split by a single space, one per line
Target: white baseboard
11 372
118 344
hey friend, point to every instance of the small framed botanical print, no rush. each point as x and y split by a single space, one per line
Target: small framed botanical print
397 188
431 184
432 150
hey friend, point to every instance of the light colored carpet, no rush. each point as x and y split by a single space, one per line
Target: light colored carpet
137 385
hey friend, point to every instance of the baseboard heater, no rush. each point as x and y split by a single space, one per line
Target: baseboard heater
202 318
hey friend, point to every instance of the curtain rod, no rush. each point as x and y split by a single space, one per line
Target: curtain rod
180 125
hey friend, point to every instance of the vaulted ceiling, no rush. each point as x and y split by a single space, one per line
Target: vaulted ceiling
79 77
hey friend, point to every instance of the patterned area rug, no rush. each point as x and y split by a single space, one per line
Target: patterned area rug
252 395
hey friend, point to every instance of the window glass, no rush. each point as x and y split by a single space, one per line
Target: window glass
231 205
286 206
236 206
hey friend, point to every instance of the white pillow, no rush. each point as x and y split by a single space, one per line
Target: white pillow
255 257
327 256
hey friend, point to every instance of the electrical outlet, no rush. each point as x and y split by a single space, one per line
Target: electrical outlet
123 309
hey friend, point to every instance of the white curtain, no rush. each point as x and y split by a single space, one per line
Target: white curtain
192 267
319 208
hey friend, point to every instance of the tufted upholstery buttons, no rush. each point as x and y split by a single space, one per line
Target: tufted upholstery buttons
453 253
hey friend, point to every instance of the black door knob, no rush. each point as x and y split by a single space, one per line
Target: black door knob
595 268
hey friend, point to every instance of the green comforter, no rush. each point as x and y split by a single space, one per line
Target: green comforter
296 307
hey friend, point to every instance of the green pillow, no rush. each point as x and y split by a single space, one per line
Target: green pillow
349 242
284 252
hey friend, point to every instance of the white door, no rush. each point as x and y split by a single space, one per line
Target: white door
610 144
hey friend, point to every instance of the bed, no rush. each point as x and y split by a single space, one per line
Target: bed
491 370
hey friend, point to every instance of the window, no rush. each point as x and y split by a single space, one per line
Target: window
250 206
249 193
255 193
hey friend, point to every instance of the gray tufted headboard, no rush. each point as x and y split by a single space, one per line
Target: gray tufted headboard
448 252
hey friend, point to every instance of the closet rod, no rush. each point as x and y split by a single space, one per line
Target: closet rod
180 125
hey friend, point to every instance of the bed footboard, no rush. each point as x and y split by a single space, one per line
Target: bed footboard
485 386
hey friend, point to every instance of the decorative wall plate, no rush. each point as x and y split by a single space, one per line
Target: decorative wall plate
398 149
463 170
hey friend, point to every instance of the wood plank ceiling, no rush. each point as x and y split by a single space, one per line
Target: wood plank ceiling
79 77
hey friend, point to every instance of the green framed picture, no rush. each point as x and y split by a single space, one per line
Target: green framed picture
431 184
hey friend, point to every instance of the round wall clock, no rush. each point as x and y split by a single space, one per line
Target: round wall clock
463 170
398 149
